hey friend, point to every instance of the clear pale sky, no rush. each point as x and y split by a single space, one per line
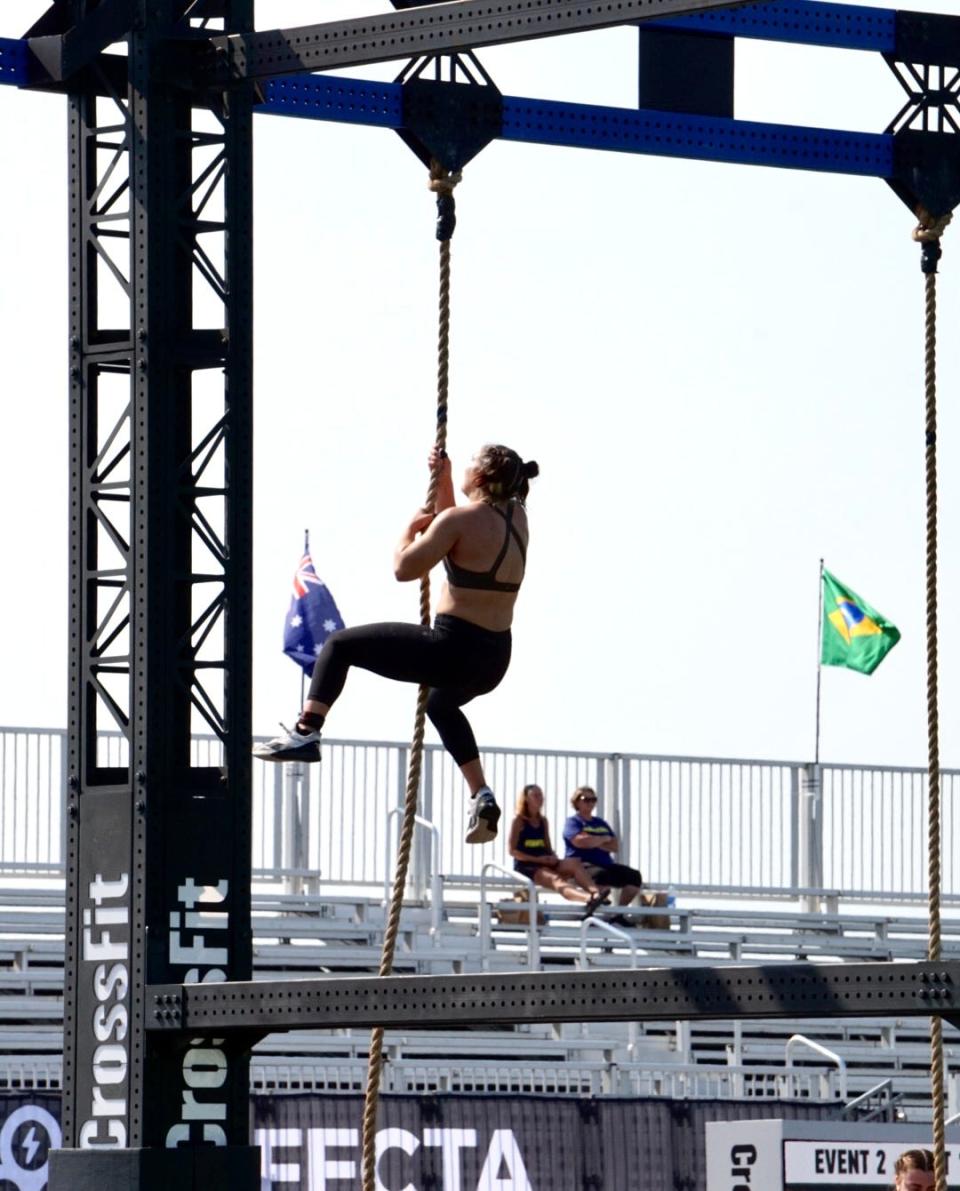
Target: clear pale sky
719 369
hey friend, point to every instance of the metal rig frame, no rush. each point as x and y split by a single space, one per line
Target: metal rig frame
160 1009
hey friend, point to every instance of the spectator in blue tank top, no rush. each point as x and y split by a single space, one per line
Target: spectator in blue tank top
534 857
591 840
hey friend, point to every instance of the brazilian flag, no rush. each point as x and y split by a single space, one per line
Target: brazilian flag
853 634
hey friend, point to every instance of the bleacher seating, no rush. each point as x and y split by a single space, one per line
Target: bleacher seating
297 935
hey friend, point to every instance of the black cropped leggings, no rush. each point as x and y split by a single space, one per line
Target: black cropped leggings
456 659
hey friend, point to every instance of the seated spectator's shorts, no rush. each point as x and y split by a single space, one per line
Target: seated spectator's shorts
526 869
614 875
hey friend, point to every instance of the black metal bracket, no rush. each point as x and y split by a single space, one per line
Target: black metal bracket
63 55
449 119
689 72
926 62
650 994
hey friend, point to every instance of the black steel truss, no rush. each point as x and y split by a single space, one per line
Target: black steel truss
158 850
441 28
646 994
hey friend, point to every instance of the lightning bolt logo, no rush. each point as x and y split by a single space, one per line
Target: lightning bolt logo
30 1145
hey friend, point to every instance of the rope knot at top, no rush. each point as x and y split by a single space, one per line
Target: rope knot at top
931 227
442 181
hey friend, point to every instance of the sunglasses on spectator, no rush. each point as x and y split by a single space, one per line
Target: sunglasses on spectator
586 798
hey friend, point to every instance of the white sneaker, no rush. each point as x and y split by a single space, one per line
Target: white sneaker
291 746
484 817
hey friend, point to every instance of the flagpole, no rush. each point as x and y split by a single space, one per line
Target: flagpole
816 749
303 673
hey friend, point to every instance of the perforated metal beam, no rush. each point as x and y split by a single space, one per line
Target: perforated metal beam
466 24
588 126
803 22
13 62
658 994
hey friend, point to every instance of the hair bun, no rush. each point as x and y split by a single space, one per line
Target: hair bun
531 469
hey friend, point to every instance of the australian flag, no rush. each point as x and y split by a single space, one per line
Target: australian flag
313 614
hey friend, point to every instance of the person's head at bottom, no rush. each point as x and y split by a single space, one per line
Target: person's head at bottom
914 1171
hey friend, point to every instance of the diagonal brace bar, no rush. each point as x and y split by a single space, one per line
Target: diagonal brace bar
650 994
465 24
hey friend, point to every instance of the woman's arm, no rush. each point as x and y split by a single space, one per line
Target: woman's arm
583 839
415 556
440 465
515 828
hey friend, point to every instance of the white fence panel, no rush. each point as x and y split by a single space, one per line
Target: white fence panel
712 822
32 784
875 831
698 823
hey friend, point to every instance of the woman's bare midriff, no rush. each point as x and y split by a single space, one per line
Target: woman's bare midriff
491 610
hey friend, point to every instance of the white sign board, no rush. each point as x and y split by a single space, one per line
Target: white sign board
745 1156
849 1163
777 1155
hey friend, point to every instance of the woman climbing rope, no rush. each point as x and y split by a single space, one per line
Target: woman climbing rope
483 546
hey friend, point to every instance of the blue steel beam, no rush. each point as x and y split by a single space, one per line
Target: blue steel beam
322 97
585 126
803 22
13 61
536 121
698 138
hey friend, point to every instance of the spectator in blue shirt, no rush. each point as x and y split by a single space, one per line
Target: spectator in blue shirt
592 841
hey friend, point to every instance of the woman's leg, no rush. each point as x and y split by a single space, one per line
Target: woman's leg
473 775
573 868
403 652
549 878
453 728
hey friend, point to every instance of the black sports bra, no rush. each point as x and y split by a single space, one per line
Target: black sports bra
487 580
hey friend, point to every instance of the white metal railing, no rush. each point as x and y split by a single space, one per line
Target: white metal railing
876 1103
749 827
797 1040
606 928
32 785
693 1081
432 866
269 1073
529 908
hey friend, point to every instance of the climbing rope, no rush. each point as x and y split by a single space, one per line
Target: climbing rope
928 234
442 183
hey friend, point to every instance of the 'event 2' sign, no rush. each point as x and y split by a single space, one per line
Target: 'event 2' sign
805 1155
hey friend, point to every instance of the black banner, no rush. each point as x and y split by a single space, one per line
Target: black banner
498 1143
445 1143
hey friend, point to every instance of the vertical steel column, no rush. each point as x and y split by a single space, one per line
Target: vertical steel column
158 854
